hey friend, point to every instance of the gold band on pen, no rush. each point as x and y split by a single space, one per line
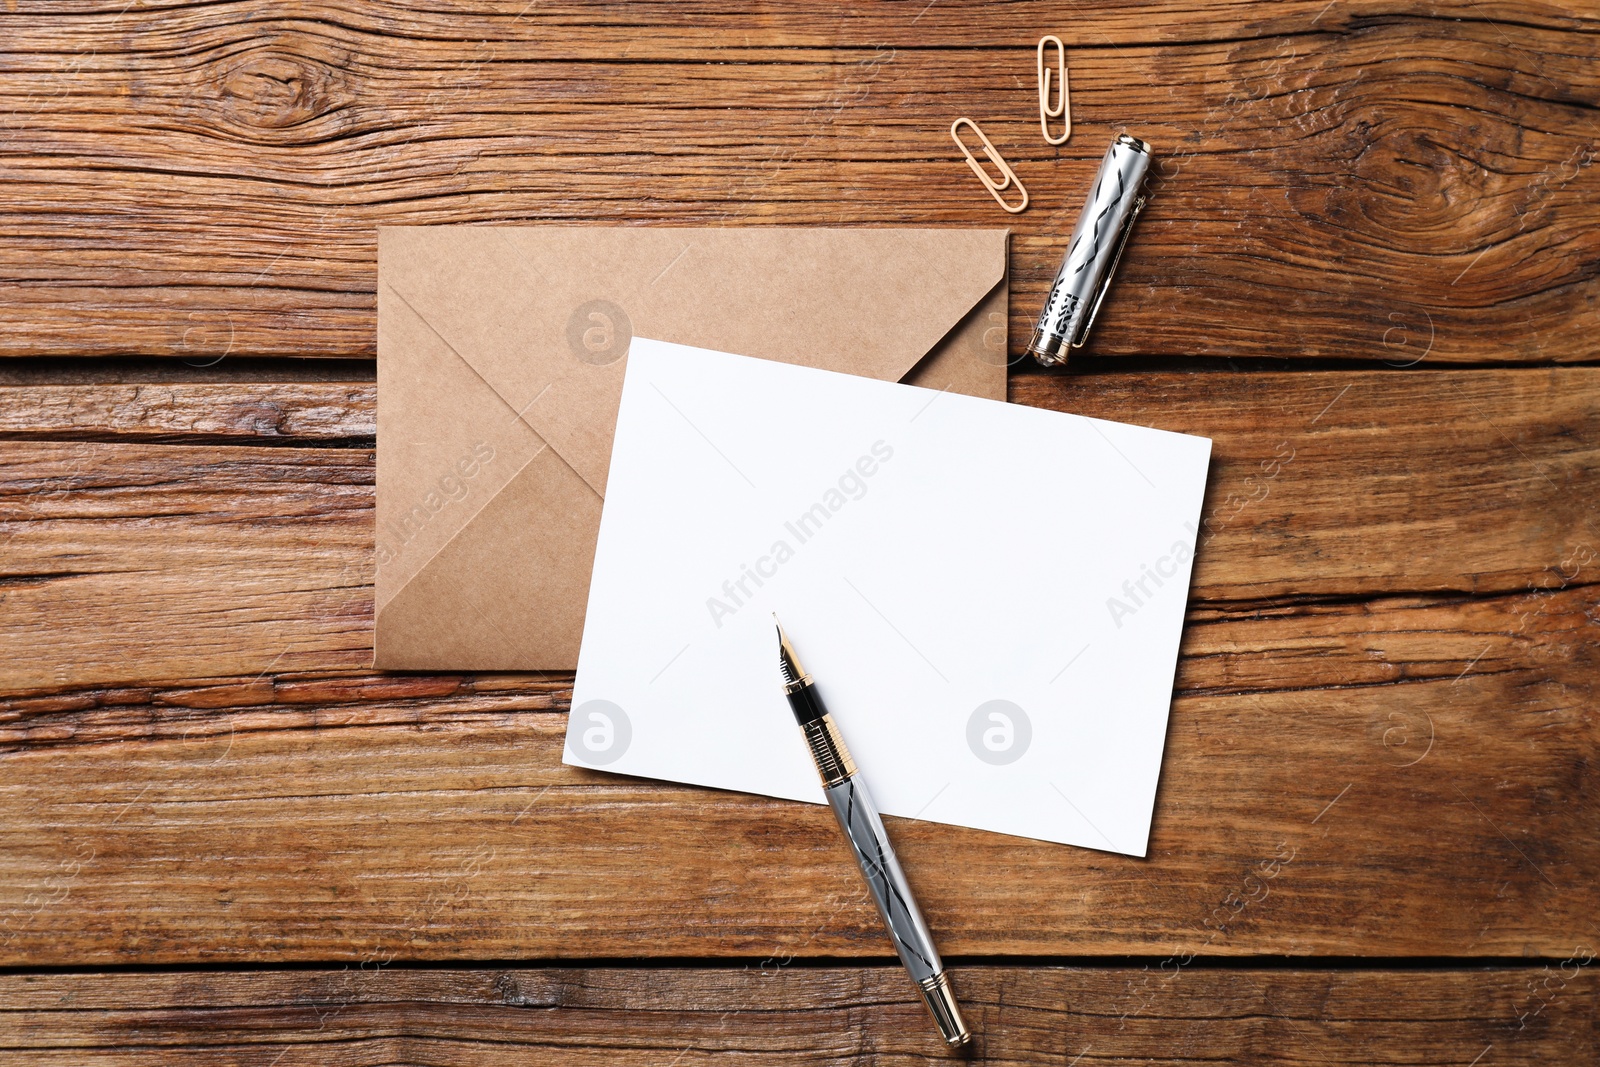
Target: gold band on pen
942 1005
828 750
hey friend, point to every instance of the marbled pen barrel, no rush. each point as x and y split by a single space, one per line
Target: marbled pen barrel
863 827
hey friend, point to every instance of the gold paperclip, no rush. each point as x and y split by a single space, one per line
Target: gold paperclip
1062 109
1008 177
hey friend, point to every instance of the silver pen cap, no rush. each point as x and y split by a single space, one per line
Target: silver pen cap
1096 246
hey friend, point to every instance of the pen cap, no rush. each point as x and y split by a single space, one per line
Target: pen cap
1080 285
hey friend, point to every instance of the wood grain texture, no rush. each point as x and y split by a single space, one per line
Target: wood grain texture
1410 776
1383 737
189 413
1361 182
770 1014
128 560
1409 570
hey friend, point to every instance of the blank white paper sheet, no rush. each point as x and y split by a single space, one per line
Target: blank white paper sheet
989 596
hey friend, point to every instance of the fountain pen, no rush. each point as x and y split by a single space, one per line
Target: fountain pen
863 828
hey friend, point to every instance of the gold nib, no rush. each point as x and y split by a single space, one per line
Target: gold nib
794 675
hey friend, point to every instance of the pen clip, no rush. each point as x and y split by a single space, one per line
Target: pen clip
1008 177
1111 272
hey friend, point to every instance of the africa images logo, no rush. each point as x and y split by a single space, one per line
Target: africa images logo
851 485
449 488
600 732
1138 590
599 332
999 732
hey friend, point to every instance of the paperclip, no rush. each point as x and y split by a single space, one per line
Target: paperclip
1008 177
1063 105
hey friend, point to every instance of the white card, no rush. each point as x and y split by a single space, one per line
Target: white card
989 596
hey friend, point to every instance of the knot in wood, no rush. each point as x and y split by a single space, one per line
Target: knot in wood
272 88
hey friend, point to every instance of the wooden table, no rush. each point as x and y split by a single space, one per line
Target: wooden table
1368 270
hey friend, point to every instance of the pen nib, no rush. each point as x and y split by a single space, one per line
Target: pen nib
788 662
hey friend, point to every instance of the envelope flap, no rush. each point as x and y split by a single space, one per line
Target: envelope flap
545 313
870 302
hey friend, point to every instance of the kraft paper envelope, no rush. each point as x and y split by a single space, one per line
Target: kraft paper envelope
500 362
990 597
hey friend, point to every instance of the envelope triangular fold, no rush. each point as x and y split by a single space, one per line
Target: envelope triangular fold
504 593
447 444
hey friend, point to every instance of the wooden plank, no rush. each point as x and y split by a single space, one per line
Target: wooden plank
240 560
248 413
1404 776
1364 182
768 1014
